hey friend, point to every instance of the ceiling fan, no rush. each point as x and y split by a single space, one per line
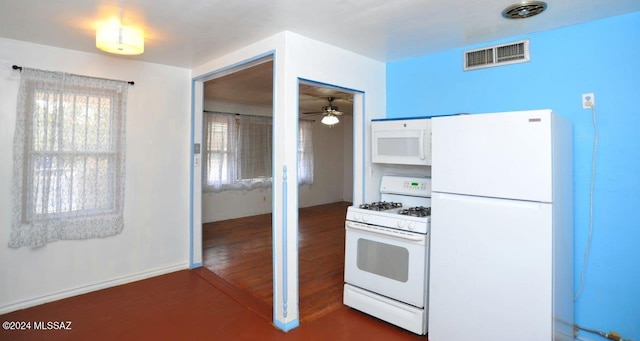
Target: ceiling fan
329 113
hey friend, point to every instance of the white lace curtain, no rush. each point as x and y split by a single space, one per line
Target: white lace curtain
237 152
69 158
305 152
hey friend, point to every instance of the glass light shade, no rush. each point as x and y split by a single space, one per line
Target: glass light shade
330 120
120 39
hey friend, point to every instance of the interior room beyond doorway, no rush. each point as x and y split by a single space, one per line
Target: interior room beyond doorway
237 231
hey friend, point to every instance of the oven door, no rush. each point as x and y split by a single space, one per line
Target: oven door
388 262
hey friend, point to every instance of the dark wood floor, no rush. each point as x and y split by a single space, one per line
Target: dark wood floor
239 251
184 305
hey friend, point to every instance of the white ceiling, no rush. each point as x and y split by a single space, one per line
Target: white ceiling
187 33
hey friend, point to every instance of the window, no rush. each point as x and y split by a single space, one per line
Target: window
305 153
217 146
254 150
237 152
69 158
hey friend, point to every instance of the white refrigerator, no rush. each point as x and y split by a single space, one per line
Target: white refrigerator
501 261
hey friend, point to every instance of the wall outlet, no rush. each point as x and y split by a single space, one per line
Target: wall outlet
588 100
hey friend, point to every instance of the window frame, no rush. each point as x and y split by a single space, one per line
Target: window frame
30 150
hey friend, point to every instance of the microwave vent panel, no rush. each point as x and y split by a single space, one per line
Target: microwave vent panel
496 55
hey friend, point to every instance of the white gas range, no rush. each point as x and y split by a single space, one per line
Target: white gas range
386 253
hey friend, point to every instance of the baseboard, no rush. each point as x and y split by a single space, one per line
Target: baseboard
287 326
93 287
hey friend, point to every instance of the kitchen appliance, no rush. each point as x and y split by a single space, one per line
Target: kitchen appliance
387 251
501 234
401 141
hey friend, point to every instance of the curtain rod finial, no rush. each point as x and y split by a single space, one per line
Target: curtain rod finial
16 67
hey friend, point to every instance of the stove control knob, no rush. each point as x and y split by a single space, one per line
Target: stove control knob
411 225
356 216
365 217
401 224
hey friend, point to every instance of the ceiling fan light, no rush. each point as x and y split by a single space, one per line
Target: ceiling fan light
329 120
125 40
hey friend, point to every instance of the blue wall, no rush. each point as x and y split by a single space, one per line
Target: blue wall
602 57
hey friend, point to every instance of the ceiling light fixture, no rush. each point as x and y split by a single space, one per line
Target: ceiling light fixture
524 9
329 119
118 39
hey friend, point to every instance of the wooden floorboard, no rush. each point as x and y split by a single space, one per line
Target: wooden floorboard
239 251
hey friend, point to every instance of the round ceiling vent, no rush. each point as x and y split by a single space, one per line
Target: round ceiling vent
524 9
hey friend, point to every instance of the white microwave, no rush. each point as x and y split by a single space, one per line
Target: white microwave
404 141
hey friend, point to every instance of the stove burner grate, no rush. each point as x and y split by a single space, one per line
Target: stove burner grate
419 211
381 206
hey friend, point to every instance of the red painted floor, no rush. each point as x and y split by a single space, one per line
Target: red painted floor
184 305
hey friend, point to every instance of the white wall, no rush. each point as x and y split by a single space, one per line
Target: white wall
157 211
333 171
155 238
330 145
316 61
298 57
323 63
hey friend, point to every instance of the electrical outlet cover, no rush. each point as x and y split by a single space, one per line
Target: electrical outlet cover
588 100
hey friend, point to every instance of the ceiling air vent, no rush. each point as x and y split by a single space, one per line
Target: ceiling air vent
512 53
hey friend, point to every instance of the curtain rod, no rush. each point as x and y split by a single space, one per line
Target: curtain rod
238 114
233 113
16 67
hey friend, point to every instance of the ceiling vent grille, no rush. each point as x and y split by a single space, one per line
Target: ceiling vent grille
512 53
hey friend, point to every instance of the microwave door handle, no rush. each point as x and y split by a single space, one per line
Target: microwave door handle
421 144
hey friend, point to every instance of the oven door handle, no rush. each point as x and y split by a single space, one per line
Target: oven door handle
399 235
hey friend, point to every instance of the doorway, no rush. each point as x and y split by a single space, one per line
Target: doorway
229 97
322 205
236 191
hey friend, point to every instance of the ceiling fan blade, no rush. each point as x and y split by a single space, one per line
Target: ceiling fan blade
333 111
